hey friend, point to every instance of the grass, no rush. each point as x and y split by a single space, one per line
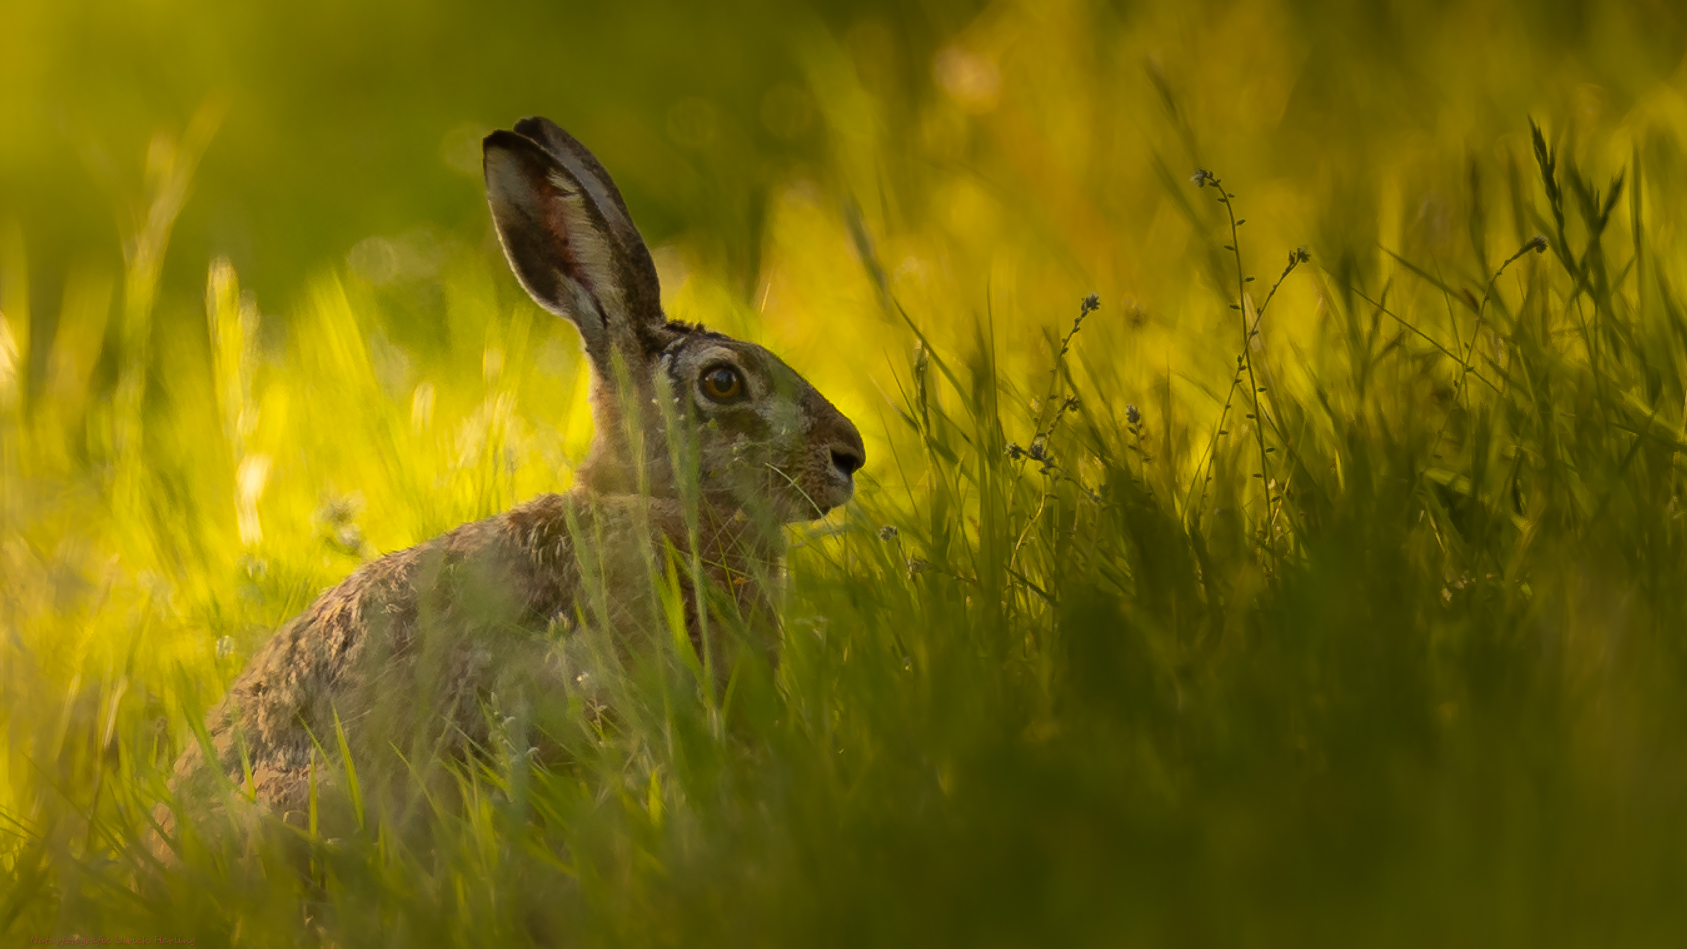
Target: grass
1358 620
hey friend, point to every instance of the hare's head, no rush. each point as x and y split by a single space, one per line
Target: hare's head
764 439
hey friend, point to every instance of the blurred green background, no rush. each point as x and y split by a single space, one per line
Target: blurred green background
1419 682
342 121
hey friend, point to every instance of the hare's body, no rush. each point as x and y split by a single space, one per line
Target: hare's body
704 446
406 651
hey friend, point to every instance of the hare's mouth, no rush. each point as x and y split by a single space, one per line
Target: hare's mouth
833 493
801 496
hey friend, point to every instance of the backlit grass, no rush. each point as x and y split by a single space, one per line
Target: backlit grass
1317 582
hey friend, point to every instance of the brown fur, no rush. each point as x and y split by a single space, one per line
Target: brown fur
421 638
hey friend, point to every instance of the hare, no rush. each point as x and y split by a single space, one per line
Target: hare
703 444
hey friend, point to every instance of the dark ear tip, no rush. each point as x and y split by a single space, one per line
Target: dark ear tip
504 139
536 126
512 150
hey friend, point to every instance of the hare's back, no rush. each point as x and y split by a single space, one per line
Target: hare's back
399 648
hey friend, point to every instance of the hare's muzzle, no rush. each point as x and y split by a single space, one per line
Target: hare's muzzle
845 454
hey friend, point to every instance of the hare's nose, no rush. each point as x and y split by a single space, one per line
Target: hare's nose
848 457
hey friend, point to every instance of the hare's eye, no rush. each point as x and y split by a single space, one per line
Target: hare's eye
722 383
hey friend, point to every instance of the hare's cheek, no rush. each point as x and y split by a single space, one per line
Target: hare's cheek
785 424
729 454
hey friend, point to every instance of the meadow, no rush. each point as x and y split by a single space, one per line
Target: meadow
1272 531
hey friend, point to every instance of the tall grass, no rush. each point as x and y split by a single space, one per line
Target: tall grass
1355 620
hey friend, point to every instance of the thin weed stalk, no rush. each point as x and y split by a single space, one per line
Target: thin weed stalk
1245 362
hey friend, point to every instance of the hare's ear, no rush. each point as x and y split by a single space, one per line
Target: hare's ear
570 240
